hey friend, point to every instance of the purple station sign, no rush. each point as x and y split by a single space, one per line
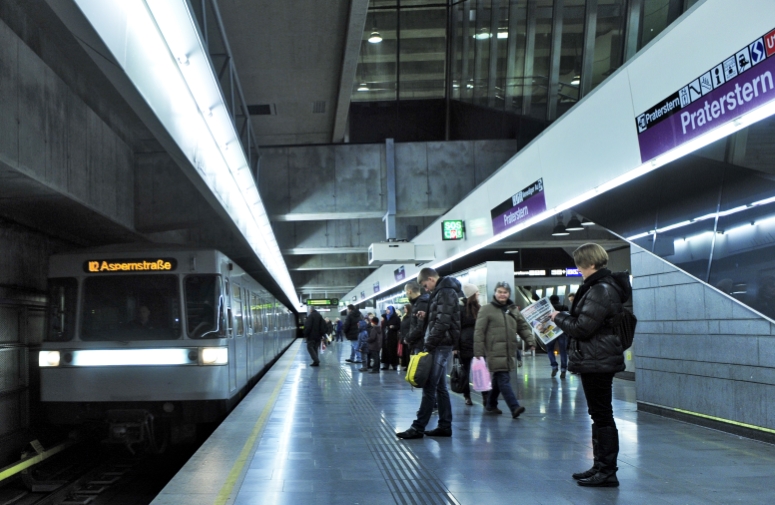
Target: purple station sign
521 206
739 84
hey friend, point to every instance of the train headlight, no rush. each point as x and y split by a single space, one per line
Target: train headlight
48 358
215 355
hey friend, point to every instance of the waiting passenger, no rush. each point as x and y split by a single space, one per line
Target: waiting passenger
596 354
350 329
390 346
375 345
561 342
495 339
443 333
406 324
469 310
363 345
339 334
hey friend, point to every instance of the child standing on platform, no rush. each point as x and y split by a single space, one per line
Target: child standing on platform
363 345
375 343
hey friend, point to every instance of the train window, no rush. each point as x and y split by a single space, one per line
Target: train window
202 297
131 307
239 324
62 296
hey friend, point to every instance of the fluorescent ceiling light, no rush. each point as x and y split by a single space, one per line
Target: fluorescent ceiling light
576 80
363 87
511 252
160 51
482 36
503 35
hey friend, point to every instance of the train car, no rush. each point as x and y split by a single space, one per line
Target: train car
153 342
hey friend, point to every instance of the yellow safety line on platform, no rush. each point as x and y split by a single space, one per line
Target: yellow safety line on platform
247 449
712 418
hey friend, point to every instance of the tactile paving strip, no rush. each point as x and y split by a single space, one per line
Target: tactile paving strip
409 481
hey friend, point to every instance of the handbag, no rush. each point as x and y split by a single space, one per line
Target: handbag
457 377
419 370
480 375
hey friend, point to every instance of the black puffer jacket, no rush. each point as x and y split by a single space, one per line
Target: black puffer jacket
417 326
467 323
593 346
444 314
350 327
406 325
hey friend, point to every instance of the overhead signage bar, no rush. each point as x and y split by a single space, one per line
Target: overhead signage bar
130 265
736 86
555 272
322 302
521 206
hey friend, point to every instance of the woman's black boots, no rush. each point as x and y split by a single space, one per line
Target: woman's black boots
608 447
596 453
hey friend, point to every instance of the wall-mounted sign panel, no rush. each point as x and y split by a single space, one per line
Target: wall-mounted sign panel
453 230
737 85
399 274
521 206
554 272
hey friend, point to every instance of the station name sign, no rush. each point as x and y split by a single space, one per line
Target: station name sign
322 302
130 265
736 86
520 207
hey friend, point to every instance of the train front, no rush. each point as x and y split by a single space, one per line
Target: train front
134 343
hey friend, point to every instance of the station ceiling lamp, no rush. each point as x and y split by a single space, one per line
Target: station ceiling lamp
574 224
587 222
375 37
559 228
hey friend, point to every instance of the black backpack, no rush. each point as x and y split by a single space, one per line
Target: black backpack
623 324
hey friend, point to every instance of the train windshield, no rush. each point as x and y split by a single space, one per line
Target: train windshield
203 293
131 307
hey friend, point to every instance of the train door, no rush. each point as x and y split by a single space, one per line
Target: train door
240 342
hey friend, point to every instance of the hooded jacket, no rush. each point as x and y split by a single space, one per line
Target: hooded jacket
593 346
444 314
375 339
350 327
414 338
495 335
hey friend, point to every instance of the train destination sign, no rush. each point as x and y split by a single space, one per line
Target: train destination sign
453 230
130 265
322 302
520 207
738 85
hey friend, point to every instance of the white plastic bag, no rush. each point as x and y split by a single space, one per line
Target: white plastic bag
480 375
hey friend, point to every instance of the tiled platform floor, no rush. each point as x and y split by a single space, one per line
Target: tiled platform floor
330 439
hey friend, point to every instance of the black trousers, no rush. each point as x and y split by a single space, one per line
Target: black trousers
598 389
313 347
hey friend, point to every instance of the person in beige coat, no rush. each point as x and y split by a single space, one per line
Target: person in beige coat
495 339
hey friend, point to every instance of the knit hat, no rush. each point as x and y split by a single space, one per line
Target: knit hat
469 290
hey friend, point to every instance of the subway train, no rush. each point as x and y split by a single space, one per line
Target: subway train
152 343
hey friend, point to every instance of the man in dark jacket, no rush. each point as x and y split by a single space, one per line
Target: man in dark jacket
419 300
314 329
443 332
350 330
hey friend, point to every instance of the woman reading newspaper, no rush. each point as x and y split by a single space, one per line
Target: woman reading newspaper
596 354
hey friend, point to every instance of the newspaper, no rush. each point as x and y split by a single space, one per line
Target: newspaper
537 315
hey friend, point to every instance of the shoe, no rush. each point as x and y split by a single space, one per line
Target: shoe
315 364
468 401
519 364
517 412
494 410
608 448
554 372
410 434
439 432
363 369
375 370
349 360
357 361
596 462
562 374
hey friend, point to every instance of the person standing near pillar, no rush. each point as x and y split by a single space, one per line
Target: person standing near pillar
596 354
350 329
390 346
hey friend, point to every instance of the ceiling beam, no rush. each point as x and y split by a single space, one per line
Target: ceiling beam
352 48
323 250
333 216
